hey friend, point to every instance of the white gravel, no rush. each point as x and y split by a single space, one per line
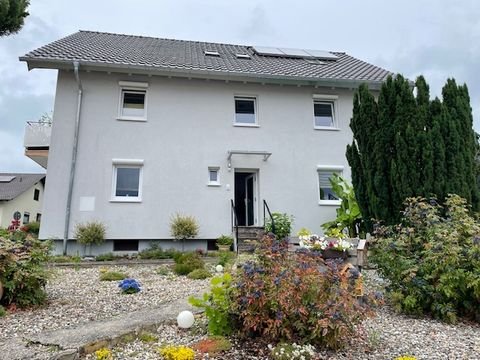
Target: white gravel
78 296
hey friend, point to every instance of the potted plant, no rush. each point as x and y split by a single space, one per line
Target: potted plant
336 249
90 233
224 242
183 227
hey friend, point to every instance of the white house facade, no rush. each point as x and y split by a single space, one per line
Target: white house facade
189 127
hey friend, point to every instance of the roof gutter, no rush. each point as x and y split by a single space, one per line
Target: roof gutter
195 73
73 163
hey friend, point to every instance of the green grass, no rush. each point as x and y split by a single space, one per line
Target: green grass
113 276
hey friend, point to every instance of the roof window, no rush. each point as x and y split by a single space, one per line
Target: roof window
242 56
212 53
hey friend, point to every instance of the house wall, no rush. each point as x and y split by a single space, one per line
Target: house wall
189 128
23 203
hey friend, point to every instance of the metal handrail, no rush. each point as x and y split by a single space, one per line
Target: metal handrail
234 219
265 206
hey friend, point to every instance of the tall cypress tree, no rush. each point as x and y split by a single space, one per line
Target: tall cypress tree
406 145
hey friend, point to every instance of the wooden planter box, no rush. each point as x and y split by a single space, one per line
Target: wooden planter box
334 254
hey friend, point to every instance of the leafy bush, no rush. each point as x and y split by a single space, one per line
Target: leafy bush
293 352
32 228
65 259
163 270
171 352
225 258
4 233
296 297
183 227
129 286
217 305
432 259
156 252
186 263
107 257
283 225
225 240
112 276
199 274
23 272
18 236
90 233
3 312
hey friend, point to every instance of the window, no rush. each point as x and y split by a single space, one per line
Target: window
324 114
36 194
133 101
26 217
213 176
327 196
125 245
127 181
245 111
39 217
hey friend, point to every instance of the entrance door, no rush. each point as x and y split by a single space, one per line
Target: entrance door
246 197
250 199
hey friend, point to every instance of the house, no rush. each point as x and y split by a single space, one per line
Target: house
146 127
22 193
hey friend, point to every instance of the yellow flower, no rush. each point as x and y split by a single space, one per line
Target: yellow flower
103 354
172 352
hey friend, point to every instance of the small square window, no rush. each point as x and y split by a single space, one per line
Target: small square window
26 217
213 176
327 195
39 217
127 181
36 194
324 114
133 104
245 111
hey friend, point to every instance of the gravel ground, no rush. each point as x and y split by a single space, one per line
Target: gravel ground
385 337
78 296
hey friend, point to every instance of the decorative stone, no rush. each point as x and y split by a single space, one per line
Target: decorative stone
219 268
185 319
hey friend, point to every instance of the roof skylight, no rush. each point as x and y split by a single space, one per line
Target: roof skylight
242 56
212 53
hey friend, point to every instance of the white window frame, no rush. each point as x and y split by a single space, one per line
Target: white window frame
336 168
214 183
255 107
326 99
126 163
126 86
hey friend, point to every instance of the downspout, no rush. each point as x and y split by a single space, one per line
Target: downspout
73 164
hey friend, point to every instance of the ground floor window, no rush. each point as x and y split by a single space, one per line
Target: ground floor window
125 245
26 217
326 194
39 217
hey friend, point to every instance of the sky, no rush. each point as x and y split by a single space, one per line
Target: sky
439 39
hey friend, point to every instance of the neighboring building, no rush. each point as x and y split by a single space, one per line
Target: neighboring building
168 126
22 193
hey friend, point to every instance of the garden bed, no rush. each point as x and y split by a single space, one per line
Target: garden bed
76 295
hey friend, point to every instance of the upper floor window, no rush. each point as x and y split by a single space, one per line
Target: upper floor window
326 193
245 111
36 194
127 180
324 112
133 101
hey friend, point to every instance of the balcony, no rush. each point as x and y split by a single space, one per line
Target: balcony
37 141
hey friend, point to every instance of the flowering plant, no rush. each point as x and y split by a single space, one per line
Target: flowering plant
129 286
292 351
315 242
103 354
171 352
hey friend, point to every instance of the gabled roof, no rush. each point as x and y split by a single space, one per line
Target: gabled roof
156 54
18 184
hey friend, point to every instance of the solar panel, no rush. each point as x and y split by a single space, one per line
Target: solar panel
295 52
265 50
6 179
321 54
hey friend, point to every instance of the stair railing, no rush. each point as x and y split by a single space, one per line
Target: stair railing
234 219
266 210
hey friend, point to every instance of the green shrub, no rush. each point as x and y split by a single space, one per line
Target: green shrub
199 274
65 259
4 233
225 258
296 297
283 225
432 259
107 257
147 337
32 228
183 227
23 272
156 252
217 305
163 270
18 236
90 233
187 262
112 276
3 312
225 240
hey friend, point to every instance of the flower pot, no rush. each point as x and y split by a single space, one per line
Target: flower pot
334 254
224 247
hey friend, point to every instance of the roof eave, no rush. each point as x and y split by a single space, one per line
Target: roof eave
59 64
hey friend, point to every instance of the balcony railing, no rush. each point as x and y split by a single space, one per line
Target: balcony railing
37 134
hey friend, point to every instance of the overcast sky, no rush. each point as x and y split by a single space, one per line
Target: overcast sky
436 38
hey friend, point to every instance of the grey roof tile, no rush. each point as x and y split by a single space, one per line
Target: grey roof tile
20 184
150 53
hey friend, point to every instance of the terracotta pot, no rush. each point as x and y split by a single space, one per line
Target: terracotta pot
224 247
334 254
